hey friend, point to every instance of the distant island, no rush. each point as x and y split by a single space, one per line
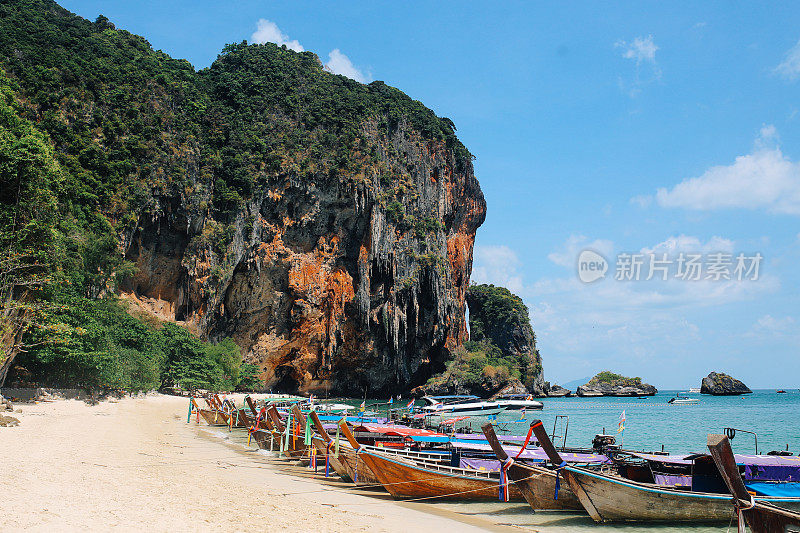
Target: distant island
720 384
608 383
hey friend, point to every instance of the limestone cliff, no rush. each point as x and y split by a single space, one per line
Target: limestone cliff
345 280
501 318
501 355
324 224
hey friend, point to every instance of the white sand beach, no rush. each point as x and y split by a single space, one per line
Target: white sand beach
135 464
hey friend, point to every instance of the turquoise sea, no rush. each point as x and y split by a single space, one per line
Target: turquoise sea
652 422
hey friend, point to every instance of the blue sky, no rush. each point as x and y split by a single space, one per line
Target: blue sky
639 127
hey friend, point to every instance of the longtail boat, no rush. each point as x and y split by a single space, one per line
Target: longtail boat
216 403
540 486
344 465
263 431
293 445
349 456
211 416
403 477
761 517
326 448
609 498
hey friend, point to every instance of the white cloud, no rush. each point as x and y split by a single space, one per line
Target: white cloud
686 243
776 325
763 179
641 49
642 201
268 32
338 63
567 256
498 265
623 325
769 329
790 66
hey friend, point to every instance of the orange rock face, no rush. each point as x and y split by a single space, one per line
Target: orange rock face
346 283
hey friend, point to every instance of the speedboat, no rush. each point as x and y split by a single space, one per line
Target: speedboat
472 405
518 402
678 399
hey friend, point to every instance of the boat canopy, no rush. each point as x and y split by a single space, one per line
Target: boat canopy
397 431
432 400
741 459
756 467
534 454
774 489
481 437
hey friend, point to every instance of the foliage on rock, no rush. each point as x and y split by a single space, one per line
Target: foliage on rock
501 350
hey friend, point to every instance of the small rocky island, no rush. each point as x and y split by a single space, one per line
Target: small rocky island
720 384
557 391
610 384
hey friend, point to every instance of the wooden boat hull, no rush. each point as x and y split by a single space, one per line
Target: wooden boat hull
240 419
334 462
538 487
214 418
608 499
265 439
357 470
406 479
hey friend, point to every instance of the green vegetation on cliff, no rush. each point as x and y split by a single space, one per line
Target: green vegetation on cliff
100 136
611 378
501 350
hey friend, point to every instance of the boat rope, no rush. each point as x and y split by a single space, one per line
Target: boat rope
423 498
558 470
395 483
740 509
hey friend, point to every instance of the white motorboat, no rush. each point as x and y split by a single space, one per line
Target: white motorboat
472 405
694 390
681 400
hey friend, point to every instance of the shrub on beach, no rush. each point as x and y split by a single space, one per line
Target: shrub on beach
98 344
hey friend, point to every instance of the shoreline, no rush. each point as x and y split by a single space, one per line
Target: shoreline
135 463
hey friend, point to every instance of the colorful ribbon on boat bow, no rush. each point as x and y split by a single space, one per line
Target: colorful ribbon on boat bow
525 444
307 435
504 466
558 477
328 457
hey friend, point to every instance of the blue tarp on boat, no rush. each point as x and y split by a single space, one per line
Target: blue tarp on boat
775 489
